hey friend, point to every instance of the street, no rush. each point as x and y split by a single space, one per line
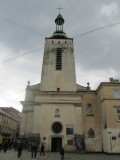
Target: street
26 155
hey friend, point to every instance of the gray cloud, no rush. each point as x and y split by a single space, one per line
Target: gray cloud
25 23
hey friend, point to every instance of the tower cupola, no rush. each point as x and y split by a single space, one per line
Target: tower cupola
59 23
59 33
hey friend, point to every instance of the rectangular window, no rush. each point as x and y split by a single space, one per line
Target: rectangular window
58 89
69 129
118 114
113 138
117 93
44 138
59 59
70 142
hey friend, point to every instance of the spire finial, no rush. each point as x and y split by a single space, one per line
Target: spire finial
59 8
28 83
88 85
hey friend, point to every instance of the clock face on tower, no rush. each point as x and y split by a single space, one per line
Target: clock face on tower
57 127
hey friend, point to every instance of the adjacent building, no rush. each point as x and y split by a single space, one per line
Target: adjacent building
58 112
9 124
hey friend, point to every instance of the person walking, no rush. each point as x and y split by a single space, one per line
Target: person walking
15 145
5 146
34 151
0 147
42 150
62 153
19 150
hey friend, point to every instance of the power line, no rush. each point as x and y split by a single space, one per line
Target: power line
81 35
7 20
84 53
96 29
10 59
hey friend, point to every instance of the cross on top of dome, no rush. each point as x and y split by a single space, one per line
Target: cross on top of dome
59 21
59 8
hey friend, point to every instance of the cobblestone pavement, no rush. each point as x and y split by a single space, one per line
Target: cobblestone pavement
12 155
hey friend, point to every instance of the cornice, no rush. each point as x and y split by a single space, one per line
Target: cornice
35 92
27 103
109 99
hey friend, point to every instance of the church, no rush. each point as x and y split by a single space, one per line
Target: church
58 112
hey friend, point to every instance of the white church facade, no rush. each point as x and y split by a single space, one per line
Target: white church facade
58 112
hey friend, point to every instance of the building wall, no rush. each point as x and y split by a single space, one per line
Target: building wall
111 140
38 119
8 124
44 117
92 143
110 125
69 108
26 124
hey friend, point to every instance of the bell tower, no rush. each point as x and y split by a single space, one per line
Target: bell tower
58 69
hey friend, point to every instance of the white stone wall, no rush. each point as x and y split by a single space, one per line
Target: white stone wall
111 145
23 124
51 78
26 123
93 144
44 117
78 120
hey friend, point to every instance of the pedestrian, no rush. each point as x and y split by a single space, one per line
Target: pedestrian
5 146
15 145
42 150
0 147
62 153
34 150
19 150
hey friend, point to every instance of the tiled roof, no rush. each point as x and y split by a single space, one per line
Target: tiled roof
7 114
10 109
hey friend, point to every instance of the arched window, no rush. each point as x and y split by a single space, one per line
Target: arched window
57 113
91 133
89 109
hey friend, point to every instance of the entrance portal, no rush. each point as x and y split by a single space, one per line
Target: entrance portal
56 144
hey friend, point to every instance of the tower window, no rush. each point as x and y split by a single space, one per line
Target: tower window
59 59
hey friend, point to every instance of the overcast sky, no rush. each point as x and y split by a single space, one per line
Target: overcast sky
24 24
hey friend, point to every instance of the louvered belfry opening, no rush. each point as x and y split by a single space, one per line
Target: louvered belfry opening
59 59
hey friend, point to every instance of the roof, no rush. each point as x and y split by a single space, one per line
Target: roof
11 111
7 114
